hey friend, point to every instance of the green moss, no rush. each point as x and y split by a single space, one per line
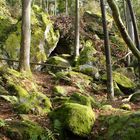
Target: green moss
3 91
126 107
89 70
79 78
122 126
82 99
86 55
117 90
77 118
106 107
25 130
127 71
56 60
36 103
41 42
23 93
72 77
123 80
59 91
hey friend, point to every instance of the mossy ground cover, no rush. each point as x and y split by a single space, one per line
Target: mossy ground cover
69 112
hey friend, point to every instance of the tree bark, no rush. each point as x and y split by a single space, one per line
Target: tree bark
47 5
24 64
55 7
110 88
135 29
77 28
66 7
122 29
130 29
134 23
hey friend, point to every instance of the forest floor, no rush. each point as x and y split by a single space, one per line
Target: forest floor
45 83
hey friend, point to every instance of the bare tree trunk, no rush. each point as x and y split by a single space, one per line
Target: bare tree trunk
55 7
24 64
122 29
77 28
134 24
66 7
130 30
110 88
135 29
47 6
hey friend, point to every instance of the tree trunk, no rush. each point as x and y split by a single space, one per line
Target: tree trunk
47 5
134 23
122 29
77 28
135 29
24 64
55 7
130 29
66 7
110 87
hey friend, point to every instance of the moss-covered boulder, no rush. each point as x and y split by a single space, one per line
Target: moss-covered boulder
76 118
128 72
124 81
89 70
86 55
24 130
121 126
94 21
106 107
59 91
56 63
79 78
59 61
126 107
75 78
82 99
23 93
35 103
125 84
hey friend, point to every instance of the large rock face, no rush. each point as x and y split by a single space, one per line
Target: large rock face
6 21
76 118
44 38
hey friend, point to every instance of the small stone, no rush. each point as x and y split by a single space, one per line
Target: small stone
125 107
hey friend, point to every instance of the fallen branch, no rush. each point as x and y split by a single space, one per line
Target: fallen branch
35 63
